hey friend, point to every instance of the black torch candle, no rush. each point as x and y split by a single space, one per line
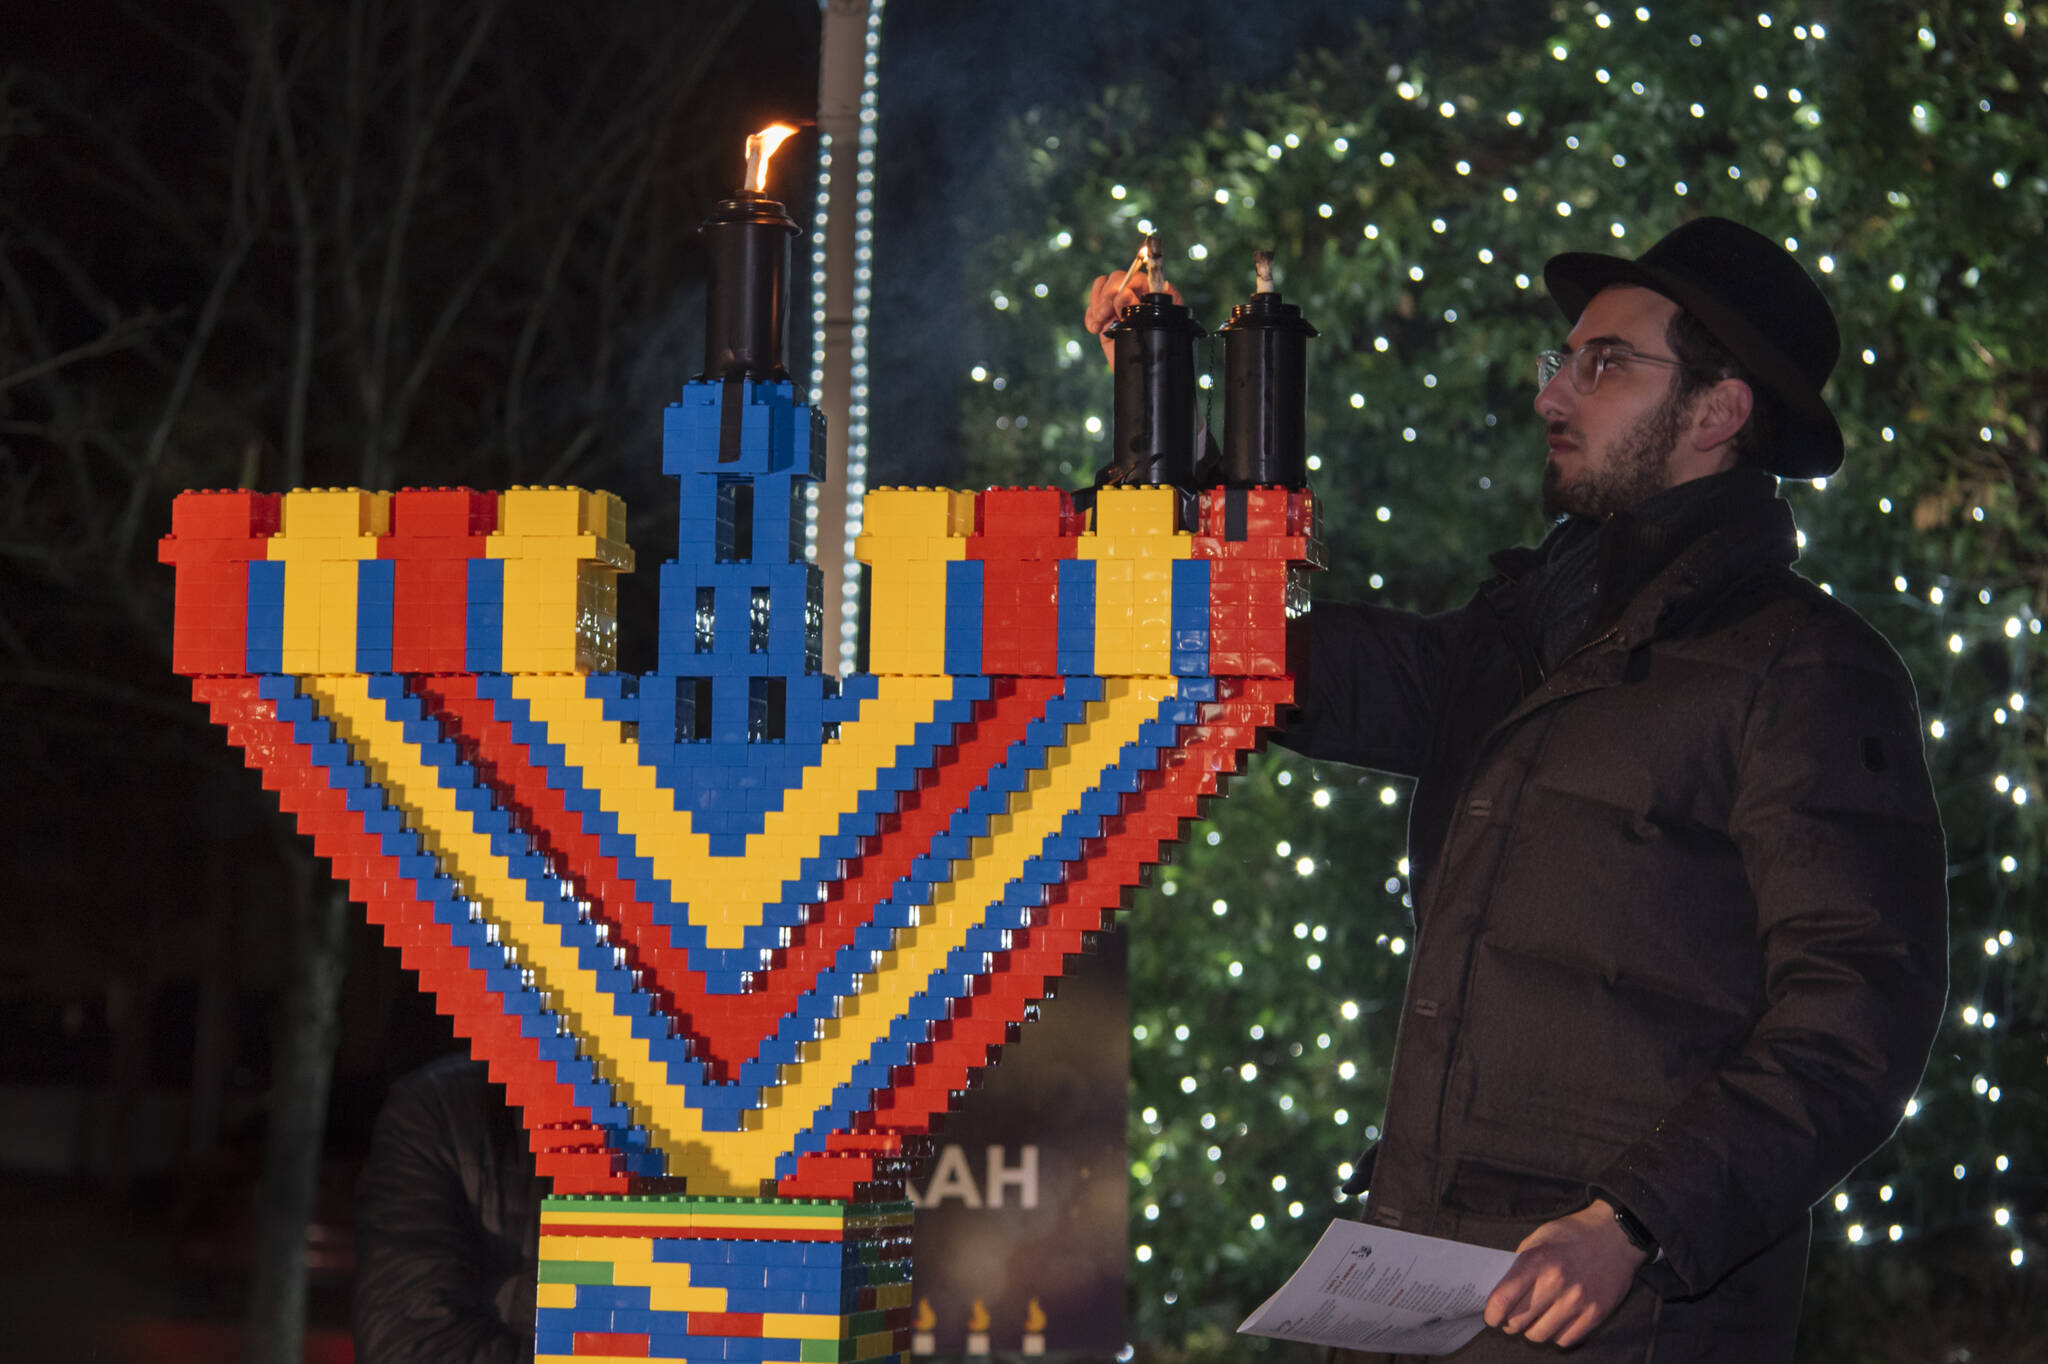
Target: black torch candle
748 237
1265 389
1154 363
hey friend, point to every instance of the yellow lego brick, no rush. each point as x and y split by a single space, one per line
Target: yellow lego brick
542 511
718 1222
337 622
539 579
570 1247
329 513
1145 511
663 1298
615 1250
799 1326
613 509
917 513
904 622
555 1295
597 549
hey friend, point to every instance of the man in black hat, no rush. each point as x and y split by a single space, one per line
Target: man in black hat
1678 875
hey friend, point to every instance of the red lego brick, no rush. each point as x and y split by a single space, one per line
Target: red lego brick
440 513
743 1324
228 514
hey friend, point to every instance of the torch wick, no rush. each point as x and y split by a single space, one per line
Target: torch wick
1262 262
1155 265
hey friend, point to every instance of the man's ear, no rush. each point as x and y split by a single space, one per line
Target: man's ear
1720 412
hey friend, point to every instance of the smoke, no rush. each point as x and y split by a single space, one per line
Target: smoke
953 78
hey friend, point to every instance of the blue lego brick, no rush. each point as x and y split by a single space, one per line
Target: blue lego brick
1074 650
376 590
484 617
964 580
266 581
263 647
1191 589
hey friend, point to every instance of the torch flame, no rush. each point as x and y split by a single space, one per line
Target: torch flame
761 146
977 1320
1034 1317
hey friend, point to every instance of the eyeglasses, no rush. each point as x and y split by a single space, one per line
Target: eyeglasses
1590 361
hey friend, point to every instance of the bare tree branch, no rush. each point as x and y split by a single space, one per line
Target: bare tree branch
242 230
305 294
420 143
120 336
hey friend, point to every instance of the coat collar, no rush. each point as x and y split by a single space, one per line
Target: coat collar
1757 530
1763 536
1760 537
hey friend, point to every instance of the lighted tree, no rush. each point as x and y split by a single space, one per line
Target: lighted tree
1412 192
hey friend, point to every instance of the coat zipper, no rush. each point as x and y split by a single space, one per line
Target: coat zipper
1450 836
1485 750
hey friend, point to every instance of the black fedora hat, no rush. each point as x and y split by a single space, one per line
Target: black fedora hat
1757 301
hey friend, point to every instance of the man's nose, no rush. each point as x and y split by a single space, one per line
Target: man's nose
1553 400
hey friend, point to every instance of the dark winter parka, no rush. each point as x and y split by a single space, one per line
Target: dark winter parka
447 1225
1681 922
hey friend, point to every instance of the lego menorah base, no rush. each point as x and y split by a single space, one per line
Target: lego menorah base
719 1279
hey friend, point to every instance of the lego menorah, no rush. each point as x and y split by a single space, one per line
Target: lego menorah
736 934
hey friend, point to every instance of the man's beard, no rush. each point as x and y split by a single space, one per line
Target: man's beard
1638 467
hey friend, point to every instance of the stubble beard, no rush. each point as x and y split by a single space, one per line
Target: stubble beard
1637 467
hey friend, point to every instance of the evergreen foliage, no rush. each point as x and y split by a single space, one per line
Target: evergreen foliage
1412 187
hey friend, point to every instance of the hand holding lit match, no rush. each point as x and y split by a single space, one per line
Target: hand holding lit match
1110 294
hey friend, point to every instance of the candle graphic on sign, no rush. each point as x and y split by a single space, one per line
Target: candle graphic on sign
977 1329
1034 1329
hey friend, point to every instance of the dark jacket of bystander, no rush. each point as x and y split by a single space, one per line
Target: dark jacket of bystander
447 1225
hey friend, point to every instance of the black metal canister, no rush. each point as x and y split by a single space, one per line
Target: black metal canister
1265 391
1154 424
748 237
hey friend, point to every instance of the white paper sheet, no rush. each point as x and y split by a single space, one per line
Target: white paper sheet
1373 1288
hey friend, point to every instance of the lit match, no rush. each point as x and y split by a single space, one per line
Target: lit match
1148 261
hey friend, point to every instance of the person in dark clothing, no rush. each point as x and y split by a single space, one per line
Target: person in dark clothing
1679 880
447 1225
